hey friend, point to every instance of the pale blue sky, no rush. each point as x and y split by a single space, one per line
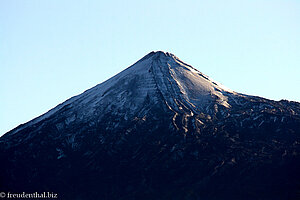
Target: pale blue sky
52 50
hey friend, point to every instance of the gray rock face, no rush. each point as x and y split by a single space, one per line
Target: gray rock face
160 129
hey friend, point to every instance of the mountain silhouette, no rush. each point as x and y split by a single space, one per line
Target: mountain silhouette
160 129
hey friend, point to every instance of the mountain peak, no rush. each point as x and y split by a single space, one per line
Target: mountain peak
160 53
159 78
164 53
155 55
159 128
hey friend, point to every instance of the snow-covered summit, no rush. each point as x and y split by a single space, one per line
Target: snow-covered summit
157 75
159 78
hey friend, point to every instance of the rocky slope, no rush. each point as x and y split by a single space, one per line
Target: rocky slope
158 130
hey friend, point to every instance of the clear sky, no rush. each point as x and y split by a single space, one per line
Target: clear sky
51 50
